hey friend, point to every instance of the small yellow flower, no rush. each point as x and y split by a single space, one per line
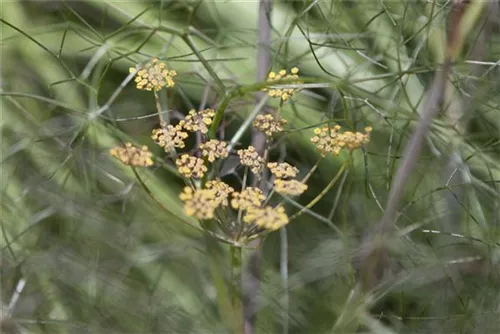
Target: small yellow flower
282 170
331 140
133 155
199 121
323 139
221 190
289 187
214 149
353 140
191 166
268 217
200 203
249 157
250 197
269 124
283 93
154 76
169 136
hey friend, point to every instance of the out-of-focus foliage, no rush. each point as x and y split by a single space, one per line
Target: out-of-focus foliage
94 246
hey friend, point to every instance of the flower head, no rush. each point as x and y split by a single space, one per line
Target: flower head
250 158
268 217
331 140
289 187
190 166
199 121
169 136
200 203
282 170
154 76
250 197
353 140
269 124
283 93
221 190
133 155
324 138
214 149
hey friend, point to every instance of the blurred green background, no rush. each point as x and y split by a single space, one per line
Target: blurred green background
89 249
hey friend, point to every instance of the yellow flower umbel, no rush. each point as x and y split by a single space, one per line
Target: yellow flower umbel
154 76
289 187
282 170
323 139
190 166
331 140
221 191
132 155
250 158
248 198
268 217
200 203
269 124
199 121
283 93
214 149
169 136
353 140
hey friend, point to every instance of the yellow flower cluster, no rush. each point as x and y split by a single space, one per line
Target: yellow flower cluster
154 76
289 187
268 217
328 139
269 124
249 197
282 170
283 93
221 191
214 149
169 136
250 158
200 203
199 121
133 155
190 166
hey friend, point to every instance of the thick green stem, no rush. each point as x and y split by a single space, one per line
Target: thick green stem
236 291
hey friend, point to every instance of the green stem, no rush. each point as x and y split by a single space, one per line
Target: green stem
242 91
235 290
189 41
284 277
322 193
311 171
158 108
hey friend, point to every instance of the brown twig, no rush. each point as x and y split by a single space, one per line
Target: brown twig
252 278
372 258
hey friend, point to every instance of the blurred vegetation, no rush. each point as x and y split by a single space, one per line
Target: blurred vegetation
92 246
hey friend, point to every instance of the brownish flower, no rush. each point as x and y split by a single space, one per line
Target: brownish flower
154 76
191 166
200 203
133 155
169 137
248 198
250 158
268 217
289 187
269 124
214 149
199 121
283 93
